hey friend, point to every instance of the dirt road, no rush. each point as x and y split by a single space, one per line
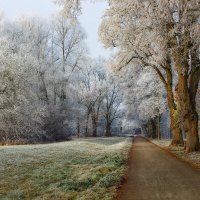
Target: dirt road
155 175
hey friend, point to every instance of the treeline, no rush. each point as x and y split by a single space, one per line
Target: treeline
50 88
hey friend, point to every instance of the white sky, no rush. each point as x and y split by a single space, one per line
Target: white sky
90 19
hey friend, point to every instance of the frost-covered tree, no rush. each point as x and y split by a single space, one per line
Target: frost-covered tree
99 97
144 96
38 66
70 8
162 35
111 104
91 93
20 115
68 38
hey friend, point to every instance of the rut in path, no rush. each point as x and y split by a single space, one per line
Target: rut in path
155 175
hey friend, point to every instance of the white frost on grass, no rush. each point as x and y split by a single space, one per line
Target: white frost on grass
162 143
77 169
179 151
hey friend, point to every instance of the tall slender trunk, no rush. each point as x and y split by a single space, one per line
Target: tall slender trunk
78 128
86 125
95 119
158 127
144 129
63 95
54 95
43 88
153 128
108 130
149 128
108 126
94 128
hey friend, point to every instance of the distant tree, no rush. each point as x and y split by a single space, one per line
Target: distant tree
144 96
111 105
92 91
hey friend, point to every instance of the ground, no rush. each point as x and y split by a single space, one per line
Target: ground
154 174
79 169
193 158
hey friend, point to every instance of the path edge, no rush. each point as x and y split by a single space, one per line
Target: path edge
125 175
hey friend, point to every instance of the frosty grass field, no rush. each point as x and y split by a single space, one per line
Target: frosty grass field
79 169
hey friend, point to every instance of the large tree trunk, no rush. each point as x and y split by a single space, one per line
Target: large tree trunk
191 128
177 137
189 116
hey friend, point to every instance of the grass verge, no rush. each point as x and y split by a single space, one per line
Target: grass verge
81 169
193 158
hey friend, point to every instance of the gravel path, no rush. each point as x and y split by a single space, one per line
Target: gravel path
155 175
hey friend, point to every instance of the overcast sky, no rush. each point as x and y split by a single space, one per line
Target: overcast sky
90 19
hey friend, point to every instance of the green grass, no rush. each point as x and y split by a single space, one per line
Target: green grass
79 169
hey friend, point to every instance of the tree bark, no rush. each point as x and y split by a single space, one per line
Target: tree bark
177 137
153 128
86 126
95 120
54 94
191 126
108 126
43 88
108 130
94 127
158 127
149 132
78 128
189 116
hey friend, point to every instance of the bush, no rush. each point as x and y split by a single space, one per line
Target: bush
110 179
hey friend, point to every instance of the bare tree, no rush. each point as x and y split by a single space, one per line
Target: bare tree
68 38
111 105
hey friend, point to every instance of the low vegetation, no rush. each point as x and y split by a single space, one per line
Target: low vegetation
79 169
